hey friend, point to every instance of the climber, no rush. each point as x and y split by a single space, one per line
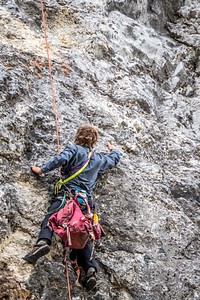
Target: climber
73 157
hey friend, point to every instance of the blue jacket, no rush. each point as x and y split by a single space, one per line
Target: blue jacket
74 156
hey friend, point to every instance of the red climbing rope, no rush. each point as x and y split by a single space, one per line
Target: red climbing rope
50 74
67 276
56 118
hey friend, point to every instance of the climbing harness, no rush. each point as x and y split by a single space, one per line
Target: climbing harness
60 182
59 207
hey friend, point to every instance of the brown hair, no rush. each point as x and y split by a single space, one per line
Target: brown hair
86 136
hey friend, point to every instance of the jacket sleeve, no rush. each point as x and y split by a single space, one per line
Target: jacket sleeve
110 160
60 159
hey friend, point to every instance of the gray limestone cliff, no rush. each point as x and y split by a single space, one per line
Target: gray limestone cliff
132 68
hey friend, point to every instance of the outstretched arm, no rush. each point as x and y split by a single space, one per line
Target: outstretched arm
57 161
52 164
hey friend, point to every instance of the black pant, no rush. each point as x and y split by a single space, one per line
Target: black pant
85 256
45 232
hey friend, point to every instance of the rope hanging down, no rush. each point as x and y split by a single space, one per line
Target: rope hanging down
50 75
56 117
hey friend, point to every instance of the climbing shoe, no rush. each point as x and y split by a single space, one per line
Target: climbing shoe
40 249
91 280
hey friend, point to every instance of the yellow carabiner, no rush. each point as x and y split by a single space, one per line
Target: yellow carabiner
95 218
58 185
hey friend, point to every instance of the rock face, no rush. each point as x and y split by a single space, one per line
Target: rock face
131 68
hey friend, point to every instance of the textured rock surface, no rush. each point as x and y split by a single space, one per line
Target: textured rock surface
131 68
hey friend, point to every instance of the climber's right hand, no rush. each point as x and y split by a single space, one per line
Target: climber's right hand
36 170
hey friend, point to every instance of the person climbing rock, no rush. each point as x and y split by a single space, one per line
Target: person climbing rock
71 159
